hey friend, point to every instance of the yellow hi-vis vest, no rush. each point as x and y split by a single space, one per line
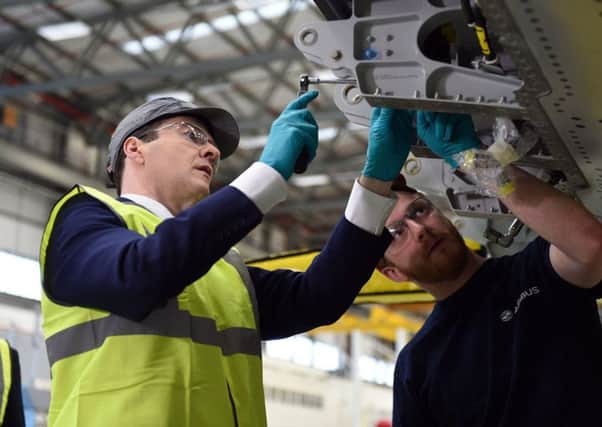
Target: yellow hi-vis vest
195 362
5 377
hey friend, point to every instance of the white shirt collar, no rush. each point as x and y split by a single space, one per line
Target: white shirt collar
151 204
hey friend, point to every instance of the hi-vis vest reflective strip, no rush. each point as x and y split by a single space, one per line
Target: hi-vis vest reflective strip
5 376
90 335
194 362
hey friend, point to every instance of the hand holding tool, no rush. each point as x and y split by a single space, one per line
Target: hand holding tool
292 132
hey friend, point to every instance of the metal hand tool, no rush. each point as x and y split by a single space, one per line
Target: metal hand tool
304 82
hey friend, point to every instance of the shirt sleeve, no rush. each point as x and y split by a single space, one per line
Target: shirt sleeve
94 261
368 210
291 302
535 260
263 185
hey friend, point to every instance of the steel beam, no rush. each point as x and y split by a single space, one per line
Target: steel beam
205 67
124 11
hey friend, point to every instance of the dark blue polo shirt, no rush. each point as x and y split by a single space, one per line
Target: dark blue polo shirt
516 346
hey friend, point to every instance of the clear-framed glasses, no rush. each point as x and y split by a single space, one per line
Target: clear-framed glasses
191 132
419 210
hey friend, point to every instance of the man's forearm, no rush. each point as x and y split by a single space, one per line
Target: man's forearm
553 215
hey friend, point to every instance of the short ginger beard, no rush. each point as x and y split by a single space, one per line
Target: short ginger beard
448 269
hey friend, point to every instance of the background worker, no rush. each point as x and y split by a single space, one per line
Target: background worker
149 317
11 402
512 341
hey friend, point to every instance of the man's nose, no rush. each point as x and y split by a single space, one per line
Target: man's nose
210 152
417 229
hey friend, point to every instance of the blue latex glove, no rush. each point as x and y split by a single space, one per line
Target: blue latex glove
293 130
389 141
447 134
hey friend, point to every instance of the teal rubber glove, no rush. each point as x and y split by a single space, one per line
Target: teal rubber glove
391 135
447 134
294 130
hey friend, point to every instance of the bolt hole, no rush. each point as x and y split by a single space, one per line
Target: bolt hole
352 94
309 37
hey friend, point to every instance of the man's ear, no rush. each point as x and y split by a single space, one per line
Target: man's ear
393 273
132 149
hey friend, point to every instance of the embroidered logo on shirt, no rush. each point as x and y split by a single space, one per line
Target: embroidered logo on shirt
507 315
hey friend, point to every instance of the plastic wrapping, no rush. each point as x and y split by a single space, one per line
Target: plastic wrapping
487 166
509 144
483 167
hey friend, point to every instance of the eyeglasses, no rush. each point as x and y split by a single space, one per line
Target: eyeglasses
418 211
193 133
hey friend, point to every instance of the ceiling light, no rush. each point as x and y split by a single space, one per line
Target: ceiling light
327 134
250 143
225 23
247 15
250 4
64 31
310 180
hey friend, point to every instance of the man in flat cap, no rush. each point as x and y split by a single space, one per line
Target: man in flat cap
150 316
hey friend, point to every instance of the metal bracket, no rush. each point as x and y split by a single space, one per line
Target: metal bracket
384 52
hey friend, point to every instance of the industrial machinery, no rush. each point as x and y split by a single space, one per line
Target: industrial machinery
536 62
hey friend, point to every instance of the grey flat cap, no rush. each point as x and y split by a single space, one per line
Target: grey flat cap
221 124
